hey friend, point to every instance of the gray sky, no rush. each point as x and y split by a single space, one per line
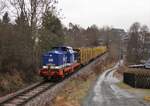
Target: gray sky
116 13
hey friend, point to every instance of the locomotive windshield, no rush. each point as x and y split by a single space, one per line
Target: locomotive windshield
61 48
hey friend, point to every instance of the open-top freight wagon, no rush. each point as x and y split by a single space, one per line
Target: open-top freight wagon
62 61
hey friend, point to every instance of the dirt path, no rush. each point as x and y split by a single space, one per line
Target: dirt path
106 93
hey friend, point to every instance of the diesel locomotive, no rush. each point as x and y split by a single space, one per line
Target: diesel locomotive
61 61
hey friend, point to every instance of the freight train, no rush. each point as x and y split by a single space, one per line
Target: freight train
61 61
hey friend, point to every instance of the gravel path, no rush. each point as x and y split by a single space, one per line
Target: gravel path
106 93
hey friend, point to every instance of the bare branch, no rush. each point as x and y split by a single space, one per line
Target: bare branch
2 6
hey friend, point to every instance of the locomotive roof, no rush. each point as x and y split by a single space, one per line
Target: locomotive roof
68 47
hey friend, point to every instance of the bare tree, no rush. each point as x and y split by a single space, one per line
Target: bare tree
33 9
134 49
2 6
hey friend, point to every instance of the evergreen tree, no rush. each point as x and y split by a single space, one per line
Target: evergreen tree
51 31
21 20
6 18
52 23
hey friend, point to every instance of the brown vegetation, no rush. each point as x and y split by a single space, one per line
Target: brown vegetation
75 91
138 44
10 82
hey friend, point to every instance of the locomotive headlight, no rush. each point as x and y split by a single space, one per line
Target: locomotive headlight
45 67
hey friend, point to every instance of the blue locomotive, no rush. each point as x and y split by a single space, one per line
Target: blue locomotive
59 62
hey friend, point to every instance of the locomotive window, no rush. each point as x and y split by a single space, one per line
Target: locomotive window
61 48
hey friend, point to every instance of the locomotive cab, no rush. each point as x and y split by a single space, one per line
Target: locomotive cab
56 59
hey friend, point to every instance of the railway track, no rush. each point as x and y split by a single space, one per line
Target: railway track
26 95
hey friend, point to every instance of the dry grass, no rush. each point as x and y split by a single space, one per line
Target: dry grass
102 66
15 80
74 92
142 92
10 82
77 89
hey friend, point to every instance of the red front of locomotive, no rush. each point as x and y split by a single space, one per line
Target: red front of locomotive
49 73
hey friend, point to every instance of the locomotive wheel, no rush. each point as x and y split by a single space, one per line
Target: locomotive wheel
45 79
60 78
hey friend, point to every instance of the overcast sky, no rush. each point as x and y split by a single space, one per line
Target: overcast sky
116 13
